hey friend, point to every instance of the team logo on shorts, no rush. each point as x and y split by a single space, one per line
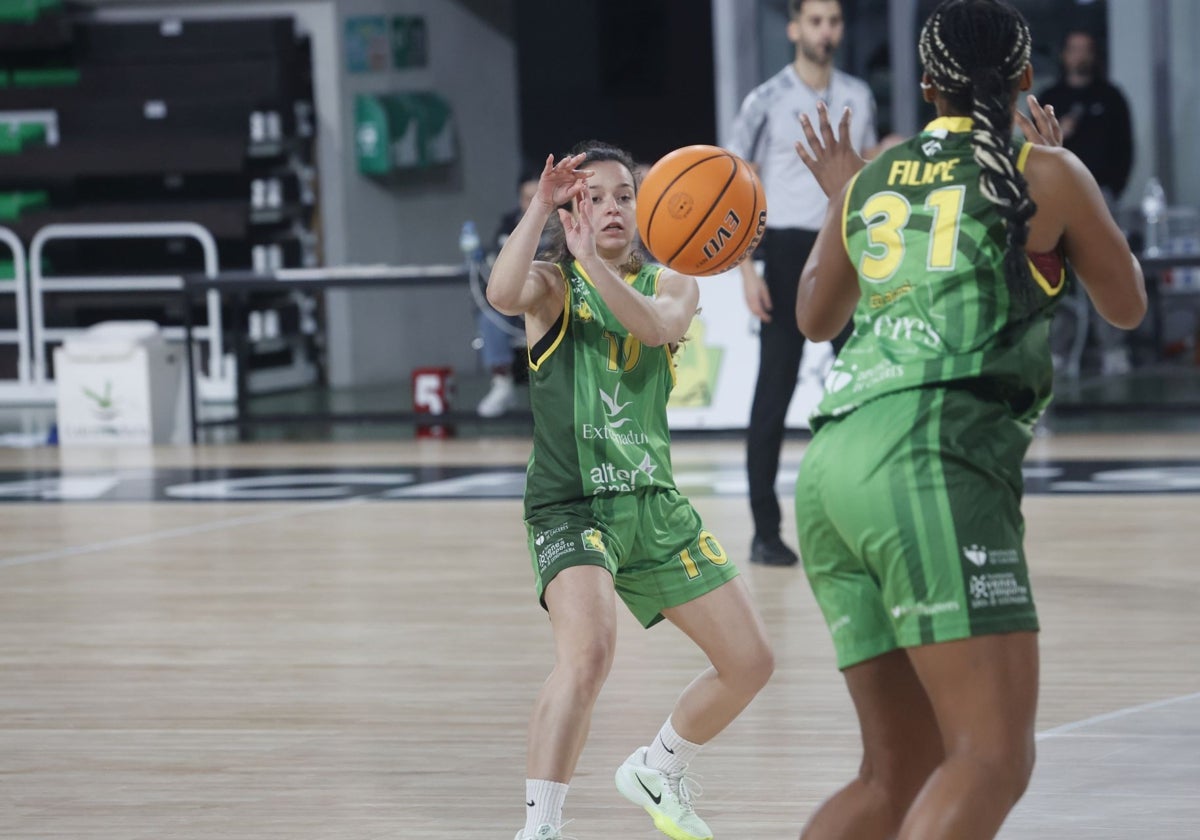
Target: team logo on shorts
976 554
981 555
592 540
997 590
540 539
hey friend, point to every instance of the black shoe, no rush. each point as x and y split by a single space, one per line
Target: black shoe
771 551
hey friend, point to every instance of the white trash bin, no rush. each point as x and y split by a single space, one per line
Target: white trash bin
120 384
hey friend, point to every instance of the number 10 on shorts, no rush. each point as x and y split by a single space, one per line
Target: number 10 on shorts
708 548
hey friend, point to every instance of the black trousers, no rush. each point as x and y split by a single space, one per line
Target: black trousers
784 250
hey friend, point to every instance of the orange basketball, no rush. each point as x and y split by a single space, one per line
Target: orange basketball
701 210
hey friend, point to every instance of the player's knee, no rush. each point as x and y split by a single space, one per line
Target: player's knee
1019 767
1007 765
757 664
877 795
1016 765
589 664
894 777
749 668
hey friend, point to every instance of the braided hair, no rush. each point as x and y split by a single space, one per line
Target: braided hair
975 50
593 150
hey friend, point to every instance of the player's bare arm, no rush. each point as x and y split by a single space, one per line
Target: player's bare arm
654 321
518 285
1071 209
828 289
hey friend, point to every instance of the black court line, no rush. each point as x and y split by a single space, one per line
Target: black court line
403 482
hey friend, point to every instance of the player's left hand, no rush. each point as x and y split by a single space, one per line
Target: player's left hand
579 228
1043 129
832 161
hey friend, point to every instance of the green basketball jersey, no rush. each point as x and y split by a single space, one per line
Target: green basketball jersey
936 307
599 400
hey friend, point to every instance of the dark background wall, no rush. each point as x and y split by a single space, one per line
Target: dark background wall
637 73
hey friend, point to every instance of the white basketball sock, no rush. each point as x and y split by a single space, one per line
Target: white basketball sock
670 752
543 804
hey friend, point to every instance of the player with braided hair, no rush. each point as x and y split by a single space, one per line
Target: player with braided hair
949 251
983 89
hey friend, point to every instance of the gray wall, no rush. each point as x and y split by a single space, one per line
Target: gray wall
737 60
1185 99
1132 54
377 337
1131 70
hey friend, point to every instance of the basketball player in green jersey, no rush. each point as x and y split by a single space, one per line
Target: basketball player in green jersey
602 513
948 251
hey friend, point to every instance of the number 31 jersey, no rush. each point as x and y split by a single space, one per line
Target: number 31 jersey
936 308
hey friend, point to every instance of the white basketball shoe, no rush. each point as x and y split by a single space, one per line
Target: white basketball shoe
666 798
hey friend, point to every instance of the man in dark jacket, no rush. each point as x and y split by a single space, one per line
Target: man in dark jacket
1093 113
1096 126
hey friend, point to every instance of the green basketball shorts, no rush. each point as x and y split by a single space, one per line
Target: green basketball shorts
652 542
909 515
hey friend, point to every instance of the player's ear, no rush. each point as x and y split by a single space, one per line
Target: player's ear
928 88
1026 80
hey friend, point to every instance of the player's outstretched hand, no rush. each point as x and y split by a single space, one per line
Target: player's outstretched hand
832 161
1043 129
579 228
561 182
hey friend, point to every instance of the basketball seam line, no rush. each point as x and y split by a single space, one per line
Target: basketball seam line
663 196
748 232
711 207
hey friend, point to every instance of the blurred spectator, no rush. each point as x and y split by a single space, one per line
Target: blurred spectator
1096 126
499 331
1093 113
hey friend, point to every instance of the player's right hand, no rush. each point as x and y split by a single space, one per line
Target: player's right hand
1044 129
561 182
832 161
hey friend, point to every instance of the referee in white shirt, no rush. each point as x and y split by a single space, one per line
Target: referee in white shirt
764 134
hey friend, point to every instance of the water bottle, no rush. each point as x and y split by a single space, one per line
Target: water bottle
258 127
1154 211
469 242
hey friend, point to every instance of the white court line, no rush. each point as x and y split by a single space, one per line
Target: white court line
172 533
1119 713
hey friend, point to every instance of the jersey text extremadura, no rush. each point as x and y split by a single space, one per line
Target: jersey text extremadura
599 400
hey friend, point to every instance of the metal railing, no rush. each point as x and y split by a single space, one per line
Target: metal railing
19 336
219 379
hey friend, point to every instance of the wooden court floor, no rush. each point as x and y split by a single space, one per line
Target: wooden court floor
359 667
